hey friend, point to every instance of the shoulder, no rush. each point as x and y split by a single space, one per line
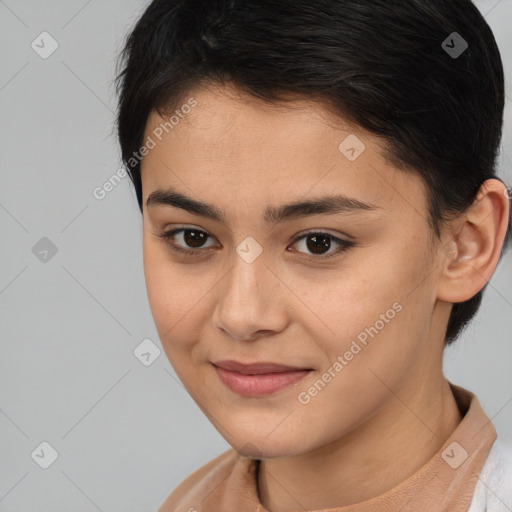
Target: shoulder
202 481
493 490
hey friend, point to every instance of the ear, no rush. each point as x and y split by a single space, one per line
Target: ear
475 242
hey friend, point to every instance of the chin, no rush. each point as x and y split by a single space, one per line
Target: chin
264 450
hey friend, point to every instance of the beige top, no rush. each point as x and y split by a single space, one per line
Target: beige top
229 483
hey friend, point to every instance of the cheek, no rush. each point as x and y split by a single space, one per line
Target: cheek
341 304
166 287
177 295
375 310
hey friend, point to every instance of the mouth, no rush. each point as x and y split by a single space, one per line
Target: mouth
258 379
256 368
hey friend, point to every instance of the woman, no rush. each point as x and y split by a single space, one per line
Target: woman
321 217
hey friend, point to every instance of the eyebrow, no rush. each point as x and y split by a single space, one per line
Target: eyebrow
332 204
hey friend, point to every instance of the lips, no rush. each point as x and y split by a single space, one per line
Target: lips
256 368
258 379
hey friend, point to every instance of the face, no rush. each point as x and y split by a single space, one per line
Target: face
347 293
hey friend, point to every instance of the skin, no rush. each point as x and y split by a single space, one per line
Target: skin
390 409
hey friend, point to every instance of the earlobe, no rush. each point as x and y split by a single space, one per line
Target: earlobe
476 243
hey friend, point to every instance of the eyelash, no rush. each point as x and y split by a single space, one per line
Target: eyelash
344 244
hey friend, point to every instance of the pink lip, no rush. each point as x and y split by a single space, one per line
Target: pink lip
258 379
255 368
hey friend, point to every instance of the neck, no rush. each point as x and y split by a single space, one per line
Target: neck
398 440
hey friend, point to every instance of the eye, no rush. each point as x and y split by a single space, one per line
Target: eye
318 242
193 237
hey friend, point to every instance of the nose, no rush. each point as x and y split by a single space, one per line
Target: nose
251 301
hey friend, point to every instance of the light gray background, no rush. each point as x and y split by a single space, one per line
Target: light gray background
126 434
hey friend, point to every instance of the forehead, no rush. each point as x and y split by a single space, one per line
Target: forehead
221 112
232 149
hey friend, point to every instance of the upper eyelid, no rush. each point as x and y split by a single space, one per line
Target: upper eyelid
299 235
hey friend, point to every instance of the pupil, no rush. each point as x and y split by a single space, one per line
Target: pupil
319 242
197 238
